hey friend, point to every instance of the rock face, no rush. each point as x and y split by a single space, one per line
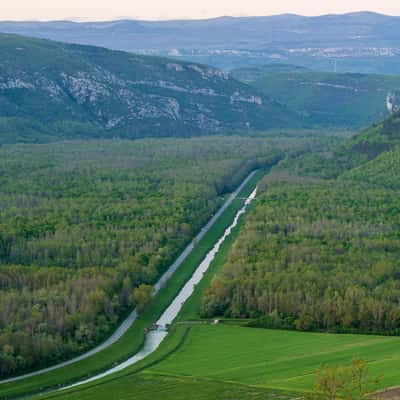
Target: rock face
121 94
393 102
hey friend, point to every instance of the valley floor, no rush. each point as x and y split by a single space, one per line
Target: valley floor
229 360
200 360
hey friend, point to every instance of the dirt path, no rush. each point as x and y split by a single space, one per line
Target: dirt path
389 394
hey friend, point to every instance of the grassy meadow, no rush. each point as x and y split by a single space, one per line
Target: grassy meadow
276 359
145 386
202 361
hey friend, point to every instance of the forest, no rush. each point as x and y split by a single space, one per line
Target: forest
85 227
315 257
320 254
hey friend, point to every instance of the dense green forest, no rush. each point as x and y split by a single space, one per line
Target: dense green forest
82 224
317 253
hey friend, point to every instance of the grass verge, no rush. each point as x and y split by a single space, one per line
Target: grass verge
145 386
191 309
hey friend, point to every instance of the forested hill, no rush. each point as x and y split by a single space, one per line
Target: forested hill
370 143
53 90
381 146
329 99
378 138
360 149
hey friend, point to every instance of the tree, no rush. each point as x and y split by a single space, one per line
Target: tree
353 382
141 296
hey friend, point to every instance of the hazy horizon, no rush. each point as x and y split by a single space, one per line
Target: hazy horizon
92 10
130 18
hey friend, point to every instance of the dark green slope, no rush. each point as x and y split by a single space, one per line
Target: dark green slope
380 146
251 74
383 171
372 157
357 152
327 99
370 142
51 90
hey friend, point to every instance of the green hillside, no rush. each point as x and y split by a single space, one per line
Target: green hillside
366 146
51 90
380 172
376 139
356 151
327 99
250 74
374 155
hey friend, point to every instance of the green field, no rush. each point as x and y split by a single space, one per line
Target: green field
211 361
146 386
276 359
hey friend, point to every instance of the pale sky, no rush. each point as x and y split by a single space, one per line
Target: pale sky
172 9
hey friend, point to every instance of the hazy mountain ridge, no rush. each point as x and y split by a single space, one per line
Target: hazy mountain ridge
359 29
350 39
73 90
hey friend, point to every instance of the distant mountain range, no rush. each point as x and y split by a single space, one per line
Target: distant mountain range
356 42
51 90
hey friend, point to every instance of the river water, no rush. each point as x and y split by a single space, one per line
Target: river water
155 337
